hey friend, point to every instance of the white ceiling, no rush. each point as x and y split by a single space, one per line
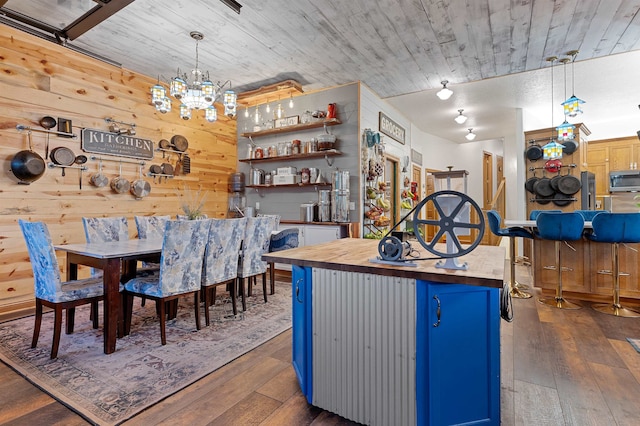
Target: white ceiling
492 51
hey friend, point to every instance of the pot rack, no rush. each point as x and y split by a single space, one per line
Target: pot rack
533 200
54 165
140 163
22 127
572 165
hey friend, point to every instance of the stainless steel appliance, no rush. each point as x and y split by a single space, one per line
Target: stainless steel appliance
625 202
587 191
624 181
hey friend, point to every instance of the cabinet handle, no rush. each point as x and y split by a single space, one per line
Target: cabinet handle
437 324
298 290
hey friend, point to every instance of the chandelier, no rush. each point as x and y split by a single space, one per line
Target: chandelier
199 93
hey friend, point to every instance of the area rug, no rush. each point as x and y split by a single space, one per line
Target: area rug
109 389
635 343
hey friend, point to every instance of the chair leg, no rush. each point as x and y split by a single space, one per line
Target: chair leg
163 320
558 301
513 284
94 314
244 301
264 286
616 308
128 312
38 323
71 319
196 303
232 291
57 330
205 296
272 278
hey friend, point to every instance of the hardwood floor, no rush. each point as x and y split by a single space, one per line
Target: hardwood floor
558 368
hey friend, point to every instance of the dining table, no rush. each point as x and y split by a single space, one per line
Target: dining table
528 223
118 261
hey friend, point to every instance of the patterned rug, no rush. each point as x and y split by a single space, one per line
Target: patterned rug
109 389
635 343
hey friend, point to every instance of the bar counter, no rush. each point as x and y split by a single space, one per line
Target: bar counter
385 344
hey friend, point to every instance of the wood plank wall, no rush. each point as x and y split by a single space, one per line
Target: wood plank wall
39 78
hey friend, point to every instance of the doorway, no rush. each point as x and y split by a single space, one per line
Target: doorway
487 179
392 190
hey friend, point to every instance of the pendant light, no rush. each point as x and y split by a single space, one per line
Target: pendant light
565 130
461 118
444 93
553 149
290 100
572 105
470 136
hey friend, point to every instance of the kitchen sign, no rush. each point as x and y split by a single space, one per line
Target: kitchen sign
391 128
98 142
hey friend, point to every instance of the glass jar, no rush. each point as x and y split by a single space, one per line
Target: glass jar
258 153
304 175
306 117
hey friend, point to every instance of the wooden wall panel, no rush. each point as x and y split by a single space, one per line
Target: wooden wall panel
39 78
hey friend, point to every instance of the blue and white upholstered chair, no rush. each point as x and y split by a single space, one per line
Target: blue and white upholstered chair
104 230
151 226
50 290
283 240
221 260
183 247
256 243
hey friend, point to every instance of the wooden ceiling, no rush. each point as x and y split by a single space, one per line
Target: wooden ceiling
395 47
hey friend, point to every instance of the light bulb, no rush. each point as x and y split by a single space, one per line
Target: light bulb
291 102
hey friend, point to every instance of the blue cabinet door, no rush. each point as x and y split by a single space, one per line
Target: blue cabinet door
458 354
302 337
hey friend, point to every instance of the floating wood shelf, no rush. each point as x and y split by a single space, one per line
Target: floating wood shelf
290 185
317 154
294 128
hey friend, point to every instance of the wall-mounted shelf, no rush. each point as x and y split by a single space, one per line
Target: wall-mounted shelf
290 185
294 128
317 154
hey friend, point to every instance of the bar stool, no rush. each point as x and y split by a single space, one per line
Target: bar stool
615 228
588 215
559 227
513 232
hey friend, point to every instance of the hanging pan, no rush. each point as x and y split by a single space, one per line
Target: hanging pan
179 143
570 146
569 185
99 179
543 187
554 182
533 152
562 200
27 165
119 184
62 156
528 185
140 187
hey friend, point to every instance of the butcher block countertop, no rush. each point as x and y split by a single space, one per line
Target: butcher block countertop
486 263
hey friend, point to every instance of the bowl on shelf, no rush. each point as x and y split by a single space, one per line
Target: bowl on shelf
326 141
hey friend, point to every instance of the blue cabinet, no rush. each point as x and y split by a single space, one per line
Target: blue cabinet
302 331
458 354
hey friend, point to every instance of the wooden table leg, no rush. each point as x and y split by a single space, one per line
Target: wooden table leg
111 304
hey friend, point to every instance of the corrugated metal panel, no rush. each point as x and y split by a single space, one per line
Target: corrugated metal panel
364 346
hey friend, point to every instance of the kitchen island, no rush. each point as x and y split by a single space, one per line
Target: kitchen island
385 344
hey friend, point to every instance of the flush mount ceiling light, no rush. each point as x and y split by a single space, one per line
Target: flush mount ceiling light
200 93
461 118
470 136
444 93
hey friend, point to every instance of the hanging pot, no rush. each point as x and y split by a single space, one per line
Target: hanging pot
27 165
570 146
80 160
164 144
179 143
533 152
155 169
140 188
569 185
543 187
528 185
119 184
544 200
562 200
48 123
99 180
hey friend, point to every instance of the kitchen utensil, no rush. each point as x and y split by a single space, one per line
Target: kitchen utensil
554 182
140 188
179 143
48 123
528 185
533 152
561 200
308 212
256 177
543 187
119 184
155 169
99 180
167 170
186 164
570 146
164 144
326 141
569 185
80 160
27 165
553 166
62 156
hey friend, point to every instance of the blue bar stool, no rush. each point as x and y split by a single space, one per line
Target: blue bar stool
615 228
513 232
588 215
559 227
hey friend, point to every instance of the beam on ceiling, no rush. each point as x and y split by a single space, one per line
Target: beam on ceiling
94 17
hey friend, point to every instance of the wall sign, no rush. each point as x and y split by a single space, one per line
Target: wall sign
99 142
391 128
416 157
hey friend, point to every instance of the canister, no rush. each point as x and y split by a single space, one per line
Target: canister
324 205
307 212
304 175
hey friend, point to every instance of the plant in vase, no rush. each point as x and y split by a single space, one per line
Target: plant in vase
192 203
